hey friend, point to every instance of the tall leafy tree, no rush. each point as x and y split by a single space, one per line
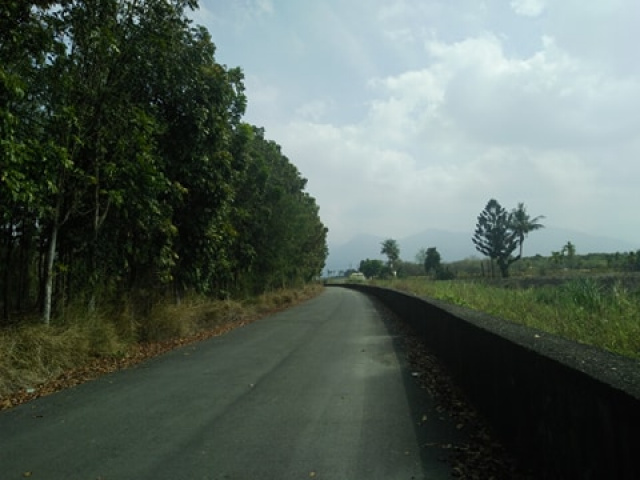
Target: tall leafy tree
287 240
103 132
391 250
26 43
372 268
495 237
420 256
523 224
569 250
125 164
432 260
201 113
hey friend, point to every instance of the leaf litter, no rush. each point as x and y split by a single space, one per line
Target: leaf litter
480 456
99 366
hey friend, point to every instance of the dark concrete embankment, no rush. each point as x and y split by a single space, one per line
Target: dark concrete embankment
570 410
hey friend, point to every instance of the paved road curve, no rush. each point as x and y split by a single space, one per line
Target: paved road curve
318 391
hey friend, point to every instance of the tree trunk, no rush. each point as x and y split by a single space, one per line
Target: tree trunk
24 267
51 254
504 270
6 295
48 287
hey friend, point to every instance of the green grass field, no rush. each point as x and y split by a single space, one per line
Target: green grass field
606 315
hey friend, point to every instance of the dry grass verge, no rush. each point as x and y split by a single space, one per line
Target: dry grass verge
36 360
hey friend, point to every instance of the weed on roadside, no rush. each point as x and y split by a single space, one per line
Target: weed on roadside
582 309
36 359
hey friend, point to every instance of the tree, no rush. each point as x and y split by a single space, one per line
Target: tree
569 250
421 256
556 257
372 268
522 223
432 260
633 261
391 249
124 163
495 237
280 239
107 109
23 39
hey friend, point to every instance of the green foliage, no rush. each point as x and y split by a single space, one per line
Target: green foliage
522 224
421 256
633 261
585 293
495 237
499 233
280 238
130 168
372 268
584 309
391 249
432 260
406 269
444 273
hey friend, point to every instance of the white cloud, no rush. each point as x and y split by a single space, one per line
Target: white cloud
263 99
203 15
252 9
315 110
264 6
548 100
240 13
528 8
407 114
473 124
400 36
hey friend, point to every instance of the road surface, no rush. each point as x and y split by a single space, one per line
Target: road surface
318 391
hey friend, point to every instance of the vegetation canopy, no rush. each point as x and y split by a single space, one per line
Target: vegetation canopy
391 249
126 171
498 233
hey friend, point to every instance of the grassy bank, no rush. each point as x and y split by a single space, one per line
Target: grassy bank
36 359
582 309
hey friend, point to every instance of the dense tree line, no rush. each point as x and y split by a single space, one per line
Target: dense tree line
125 164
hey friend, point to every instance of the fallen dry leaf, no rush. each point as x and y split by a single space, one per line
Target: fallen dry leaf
103 365
482 457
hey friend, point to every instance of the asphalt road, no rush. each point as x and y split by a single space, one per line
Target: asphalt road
319 391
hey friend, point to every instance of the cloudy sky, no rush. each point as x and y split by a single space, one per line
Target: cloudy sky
406 115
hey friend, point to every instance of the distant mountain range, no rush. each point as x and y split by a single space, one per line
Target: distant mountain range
458 246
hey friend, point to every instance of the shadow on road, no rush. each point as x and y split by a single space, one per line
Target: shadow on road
454 440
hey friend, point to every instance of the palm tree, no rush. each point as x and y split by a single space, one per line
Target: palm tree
522 223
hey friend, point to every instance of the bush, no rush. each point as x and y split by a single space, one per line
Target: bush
444 273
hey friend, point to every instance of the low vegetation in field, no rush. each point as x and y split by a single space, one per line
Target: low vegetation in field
37 359
584 309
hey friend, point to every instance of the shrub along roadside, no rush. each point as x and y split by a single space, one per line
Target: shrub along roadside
36 360
583 310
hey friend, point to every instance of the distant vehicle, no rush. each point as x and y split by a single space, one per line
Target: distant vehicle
357 276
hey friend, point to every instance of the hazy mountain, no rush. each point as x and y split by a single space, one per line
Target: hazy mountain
457 246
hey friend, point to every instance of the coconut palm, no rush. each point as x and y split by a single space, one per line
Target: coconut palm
522 223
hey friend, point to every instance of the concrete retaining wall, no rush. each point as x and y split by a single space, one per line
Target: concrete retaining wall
571 410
